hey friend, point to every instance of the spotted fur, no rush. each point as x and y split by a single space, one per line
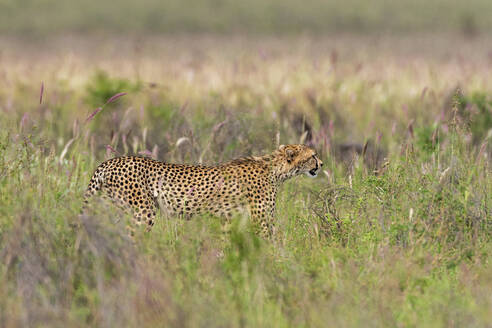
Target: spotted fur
249 183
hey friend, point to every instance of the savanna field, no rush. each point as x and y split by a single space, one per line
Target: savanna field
395 232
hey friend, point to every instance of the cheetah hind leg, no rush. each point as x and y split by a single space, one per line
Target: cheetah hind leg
143 213
139 218
125 208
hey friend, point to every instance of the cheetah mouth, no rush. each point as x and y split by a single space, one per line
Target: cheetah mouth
314 172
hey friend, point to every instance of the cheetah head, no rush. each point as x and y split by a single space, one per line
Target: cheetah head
298 159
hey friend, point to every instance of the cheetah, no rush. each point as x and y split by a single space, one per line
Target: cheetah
250 183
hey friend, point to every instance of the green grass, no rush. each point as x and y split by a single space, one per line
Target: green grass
408 246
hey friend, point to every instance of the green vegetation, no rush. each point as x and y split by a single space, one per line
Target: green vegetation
476 111
395 233
102 87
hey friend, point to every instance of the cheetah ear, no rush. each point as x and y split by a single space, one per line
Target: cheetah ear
290 153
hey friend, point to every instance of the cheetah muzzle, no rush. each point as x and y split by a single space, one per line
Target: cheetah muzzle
314 172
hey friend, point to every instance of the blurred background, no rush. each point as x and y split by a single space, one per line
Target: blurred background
344 77
52 17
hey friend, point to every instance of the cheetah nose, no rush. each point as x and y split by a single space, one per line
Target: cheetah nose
320 163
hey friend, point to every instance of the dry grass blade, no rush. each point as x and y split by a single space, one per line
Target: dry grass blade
481 151
23 121
410 129
94 113
215 130
110 150
65 149
113 98
41 93
146 152
109 101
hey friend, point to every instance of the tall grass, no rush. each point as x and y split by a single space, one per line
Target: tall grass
396 231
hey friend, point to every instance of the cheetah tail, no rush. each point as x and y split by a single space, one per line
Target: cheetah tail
93 187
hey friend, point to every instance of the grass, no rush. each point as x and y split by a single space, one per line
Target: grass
395 232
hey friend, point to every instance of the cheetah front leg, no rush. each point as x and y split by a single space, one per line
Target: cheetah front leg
263 215
144 210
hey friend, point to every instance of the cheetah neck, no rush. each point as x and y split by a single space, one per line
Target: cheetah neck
274 165
279 176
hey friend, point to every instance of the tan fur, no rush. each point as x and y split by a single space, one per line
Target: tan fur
250 183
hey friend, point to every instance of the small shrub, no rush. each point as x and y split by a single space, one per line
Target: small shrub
427 139
476 110
102 87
